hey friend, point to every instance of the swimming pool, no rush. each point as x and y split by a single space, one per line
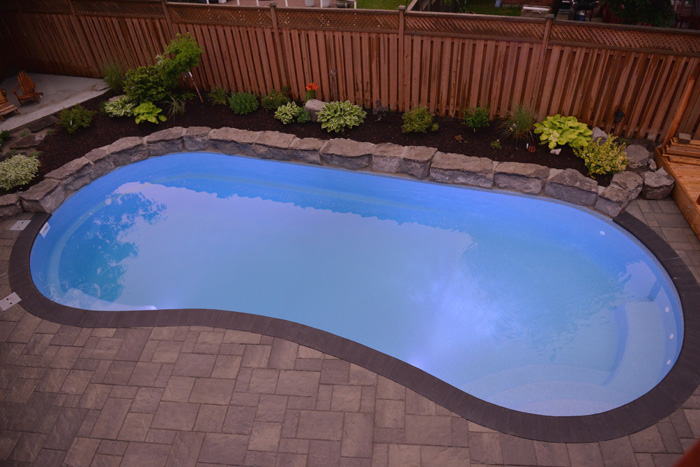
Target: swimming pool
529 304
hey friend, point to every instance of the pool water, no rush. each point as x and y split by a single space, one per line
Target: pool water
527 303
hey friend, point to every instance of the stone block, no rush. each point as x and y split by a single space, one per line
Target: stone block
127 150
599 135
274 145
347 153
612 201
416 160
525 178
10 205
165 141
630 182
387 157
196 138
314 106
571 186
73 175
463 170
101 161
45 196
637 155
233 141
307 149
657 185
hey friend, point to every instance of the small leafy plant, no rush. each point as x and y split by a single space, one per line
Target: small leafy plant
606 158
379 110
146 84
218 96
338 116
519 124
17 171
311 89
476 117
243 103
496 144
176 105
121 106
418 120
556 130
74 118
148 112
273 99
290 112
114 76
4 136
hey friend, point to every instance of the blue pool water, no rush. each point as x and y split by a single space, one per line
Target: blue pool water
527 303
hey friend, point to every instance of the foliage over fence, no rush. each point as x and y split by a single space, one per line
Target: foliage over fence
401 59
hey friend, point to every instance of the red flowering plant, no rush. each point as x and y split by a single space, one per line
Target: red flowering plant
311 89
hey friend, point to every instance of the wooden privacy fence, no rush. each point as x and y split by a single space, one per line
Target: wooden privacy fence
400 59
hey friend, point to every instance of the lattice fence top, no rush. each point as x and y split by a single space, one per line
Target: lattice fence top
652 39
229 16
350 20
472 25
36 6
138 9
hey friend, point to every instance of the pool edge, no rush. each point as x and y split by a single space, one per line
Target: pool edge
661 401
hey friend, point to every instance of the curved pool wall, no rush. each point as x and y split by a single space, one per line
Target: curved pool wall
461 403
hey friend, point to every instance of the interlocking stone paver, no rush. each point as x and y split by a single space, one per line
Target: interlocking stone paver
429 429
65 428
76 382
584 454
265 436
618 452
263 380
135 427
81 452
346 398
212 391
402 455
185 449
175 416
648 440
323 453
145 455
323 397
335 372
320 425
485 448
178 389
111 418
118 373
223 449
239 420
133 342
27 447
226 366
283 354
271 408
388 389
357 435
517 451
256 356
147 400
195 365
112 448
50 457
210 418
144 374
551 454
434 456
298 383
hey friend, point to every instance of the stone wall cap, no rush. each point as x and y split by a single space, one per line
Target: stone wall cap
574 178
233 134
197 130
307 144
389 150
40 190
347 148
452 161
97 154
419 153
526 170
275 139
165 135
69 169
122 144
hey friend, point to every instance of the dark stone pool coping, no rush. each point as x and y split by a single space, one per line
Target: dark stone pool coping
660 402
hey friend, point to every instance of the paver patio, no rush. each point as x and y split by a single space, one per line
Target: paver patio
202 396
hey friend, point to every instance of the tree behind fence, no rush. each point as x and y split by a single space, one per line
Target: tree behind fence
401 59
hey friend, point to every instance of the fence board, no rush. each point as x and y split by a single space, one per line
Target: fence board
444 61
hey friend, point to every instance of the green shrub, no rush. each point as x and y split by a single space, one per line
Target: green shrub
4 136
75 118
476 117
556 130
180 56
418 120
218 96
113 74
496 144
17 171
292 112
606 158
243 103
146 84
519 123
273 99
148 112
122 106
338 116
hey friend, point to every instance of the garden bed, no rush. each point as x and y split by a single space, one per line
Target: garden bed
59 147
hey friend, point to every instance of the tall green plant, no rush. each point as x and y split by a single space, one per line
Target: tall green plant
519 123
113 74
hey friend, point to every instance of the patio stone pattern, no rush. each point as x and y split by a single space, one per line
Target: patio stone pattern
196 395
420 162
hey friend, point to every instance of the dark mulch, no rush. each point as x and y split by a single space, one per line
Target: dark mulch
452 136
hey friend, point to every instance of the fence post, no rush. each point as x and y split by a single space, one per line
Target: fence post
81 38
402 26
167 19
540 68
282 60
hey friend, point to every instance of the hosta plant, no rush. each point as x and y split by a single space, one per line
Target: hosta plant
556 130
418 120
17 171
606 158
149 112
338 116
292 112
120 106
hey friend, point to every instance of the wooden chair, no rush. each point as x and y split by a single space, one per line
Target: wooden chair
5 106
28 89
